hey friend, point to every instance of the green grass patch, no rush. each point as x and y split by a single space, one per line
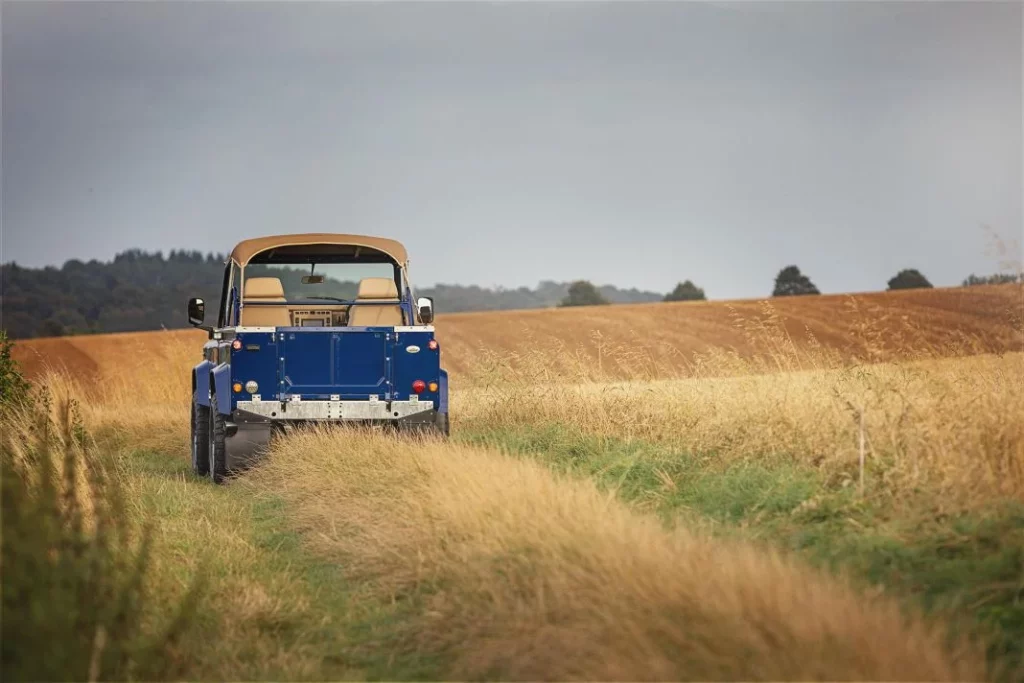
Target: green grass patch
660 479
969 569
274 609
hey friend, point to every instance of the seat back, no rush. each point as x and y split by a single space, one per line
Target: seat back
264 289
382 315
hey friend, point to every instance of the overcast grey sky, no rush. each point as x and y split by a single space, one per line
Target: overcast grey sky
636 144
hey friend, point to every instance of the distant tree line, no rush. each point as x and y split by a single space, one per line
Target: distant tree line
135 291
139 290
997 279
789 282
583 293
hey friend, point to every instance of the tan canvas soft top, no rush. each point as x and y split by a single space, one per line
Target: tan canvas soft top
246 249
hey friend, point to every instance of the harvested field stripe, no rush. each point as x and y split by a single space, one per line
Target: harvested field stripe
647 341
507 571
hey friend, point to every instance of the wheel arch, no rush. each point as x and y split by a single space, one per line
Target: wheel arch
442 398
201 383
220 382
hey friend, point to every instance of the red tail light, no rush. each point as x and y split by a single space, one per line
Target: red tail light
432 345
418 386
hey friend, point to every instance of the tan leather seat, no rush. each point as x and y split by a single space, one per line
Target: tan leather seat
264 289
383 315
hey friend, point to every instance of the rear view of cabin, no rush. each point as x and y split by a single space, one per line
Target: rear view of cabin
315 327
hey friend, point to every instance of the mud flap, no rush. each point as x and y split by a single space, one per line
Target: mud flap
426 422
248 436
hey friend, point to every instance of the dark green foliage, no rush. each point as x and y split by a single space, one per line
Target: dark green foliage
686 291
74 568
13 387
996 279
791 282
909 278
135 291
143 291
547 294
583 293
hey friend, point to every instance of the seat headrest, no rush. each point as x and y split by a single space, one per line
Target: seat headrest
263 288
377 288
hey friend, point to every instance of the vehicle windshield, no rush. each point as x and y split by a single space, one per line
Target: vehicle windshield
326 281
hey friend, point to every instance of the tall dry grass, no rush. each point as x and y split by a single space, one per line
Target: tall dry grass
948 418
255 617
528 576
522 575
142 401
954 426
76 564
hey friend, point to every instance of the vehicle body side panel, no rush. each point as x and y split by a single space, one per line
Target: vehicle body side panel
257 361
442 400
414 360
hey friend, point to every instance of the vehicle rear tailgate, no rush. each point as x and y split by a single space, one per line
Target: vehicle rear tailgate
317 364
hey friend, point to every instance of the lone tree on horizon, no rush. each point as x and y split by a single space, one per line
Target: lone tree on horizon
686 291
583 293
909 278
791 282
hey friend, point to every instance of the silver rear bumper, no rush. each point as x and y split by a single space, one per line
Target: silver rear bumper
335 410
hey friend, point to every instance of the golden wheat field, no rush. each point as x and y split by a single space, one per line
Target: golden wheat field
655 340
710 491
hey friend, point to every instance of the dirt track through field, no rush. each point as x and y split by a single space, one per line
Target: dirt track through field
524 575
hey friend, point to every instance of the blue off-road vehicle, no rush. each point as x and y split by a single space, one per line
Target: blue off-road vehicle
312 328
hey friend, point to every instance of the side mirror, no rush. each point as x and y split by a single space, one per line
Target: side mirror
425 304
196 312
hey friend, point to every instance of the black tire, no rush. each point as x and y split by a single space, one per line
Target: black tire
218 460
200 437
443 425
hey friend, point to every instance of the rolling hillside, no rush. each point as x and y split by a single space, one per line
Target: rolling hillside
655 340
